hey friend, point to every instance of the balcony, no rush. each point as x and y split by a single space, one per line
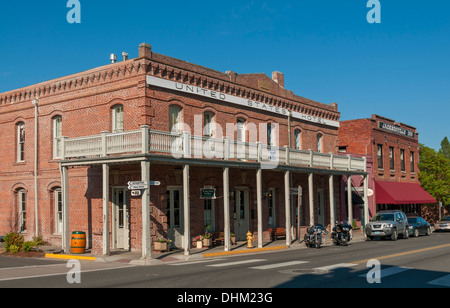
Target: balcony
177 146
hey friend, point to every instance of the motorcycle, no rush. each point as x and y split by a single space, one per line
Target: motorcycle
341 234
315 236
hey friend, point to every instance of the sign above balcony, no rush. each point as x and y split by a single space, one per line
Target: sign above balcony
219 96
397 129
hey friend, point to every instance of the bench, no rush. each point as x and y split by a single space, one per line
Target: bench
218 238
275 233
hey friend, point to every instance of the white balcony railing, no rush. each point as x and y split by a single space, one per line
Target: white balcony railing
201 147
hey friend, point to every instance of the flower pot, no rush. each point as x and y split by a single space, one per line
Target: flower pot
207 242
233 240
160 246
199 244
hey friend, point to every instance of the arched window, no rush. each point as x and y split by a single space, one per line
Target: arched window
319 143
58 206
298 139
20 127
22 209
175 118
57 134
240 128
208 124
117 119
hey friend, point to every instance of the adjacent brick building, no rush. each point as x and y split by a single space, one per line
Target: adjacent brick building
393 152
190 128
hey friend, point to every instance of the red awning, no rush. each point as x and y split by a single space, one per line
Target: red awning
401 193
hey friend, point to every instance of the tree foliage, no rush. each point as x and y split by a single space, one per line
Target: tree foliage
434 173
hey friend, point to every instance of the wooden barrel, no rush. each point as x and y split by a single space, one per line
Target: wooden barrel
78 242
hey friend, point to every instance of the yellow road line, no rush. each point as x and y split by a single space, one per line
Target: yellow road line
68 257
402 254
216 254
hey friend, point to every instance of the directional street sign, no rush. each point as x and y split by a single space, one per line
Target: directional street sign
137 185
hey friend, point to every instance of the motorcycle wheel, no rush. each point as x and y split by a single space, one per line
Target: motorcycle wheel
318 243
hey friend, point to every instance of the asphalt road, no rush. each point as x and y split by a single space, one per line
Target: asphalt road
422 262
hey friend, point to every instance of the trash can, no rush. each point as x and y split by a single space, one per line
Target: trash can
78 242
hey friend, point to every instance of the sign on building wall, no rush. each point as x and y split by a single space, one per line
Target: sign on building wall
207 193
219 96
397 129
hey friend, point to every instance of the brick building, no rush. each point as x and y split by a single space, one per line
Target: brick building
392 151
72 145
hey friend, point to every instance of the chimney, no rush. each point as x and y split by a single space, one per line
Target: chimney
125 56
113 58
145 50
278 78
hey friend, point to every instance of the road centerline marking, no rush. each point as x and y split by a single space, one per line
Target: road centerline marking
277 265
401 254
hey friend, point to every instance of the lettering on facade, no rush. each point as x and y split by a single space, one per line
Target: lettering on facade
397 129
172 85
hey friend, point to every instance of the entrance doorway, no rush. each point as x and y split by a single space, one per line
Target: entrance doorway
175 220
241 215
120 218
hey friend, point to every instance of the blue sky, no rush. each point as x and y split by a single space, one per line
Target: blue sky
327 50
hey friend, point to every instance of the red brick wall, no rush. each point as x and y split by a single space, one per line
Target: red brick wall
84 102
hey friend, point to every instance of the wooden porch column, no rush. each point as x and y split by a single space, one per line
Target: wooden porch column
146 234
311 198
259 206
187 213
226 207
65 195
287 206
106 249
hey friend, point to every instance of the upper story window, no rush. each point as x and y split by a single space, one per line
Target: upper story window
117 119
402 160
175 118
380 156
411 159
57 134
298 139
240 126
319 143
20 142
391 158
208 124
271 138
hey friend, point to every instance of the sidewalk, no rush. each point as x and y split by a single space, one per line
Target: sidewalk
177 255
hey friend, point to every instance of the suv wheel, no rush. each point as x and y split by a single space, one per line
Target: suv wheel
428 231
406 233
394 235
416 232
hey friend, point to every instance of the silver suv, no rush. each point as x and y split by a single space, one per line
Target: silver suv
388 224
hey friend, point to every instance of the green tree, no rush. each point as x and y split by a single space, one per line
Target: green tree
445 148
434 173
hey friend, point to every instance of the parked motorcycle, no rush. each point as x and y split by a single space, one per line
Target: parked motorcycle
314 236
341 234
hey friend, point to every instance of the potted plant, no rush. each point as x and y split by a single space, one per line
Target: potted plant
207 239
233 239
161 244
199 241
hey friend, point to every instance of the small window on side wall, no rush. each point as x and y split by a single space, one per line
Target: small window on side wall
20 127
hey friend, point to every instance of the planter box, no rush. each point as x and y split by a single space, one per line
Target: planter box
160 246
199 244
207 242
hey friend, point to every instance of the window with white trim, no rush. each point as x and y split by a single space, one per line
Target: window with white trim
208 124
58 211
298 139
21 142
22 203
175 118
319 143
117 119
57 134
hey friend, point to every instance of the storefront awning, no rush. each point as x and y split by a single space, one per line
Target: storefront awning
401 193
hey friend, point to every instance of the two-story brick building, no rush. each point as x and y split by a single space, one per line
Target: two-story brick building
226 149
393 152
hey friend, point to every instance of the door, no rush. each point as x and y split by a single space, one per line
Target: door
321 207
272 209
121 219
175 220
241 215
